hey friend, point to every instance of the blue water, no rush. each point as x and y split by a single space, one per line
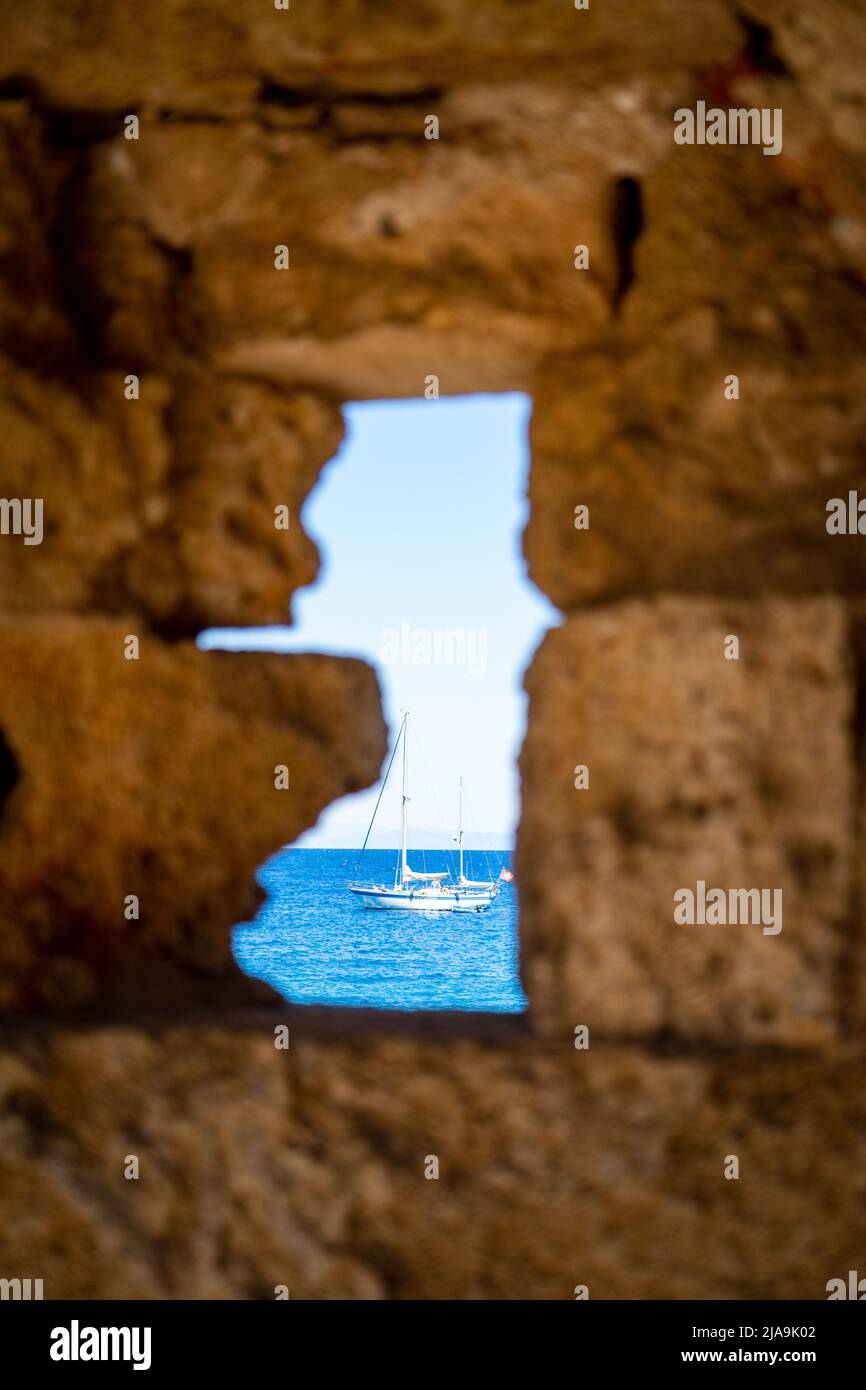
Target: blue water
317 944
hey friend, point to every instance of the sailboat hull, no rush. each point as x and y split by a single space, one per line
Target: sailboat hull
473 902
405 900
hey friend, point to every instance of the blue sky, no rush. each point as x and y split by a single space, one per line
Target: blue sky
418 521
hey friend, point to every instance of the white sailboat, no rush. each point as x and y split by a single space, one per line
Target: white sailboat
422 892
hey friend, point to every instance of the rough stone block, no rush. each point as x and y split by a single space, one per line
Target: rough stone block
155 778
737 773
165 505
305 1167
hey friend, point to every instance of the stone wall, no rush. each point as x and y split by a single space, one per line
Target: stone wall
154 258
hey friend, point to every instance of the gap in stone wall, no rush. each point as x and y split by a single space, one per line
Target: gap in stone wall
419 518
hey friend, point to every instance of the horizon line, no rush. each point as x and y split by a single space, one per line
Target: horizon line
412 849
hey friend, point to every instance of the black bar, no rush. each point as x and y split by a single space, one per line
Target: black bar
257 1339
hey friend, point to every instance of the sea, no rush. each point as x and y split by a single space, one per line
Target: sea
316 943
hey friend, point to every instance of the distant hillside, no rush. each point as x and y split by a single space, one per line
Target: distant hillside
421 837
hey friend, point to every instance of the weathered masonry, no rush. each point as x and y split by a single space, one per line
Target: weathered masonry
147 248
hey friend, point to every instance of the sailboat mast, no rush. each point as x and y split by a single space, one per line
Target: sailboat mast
460 830
405 788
